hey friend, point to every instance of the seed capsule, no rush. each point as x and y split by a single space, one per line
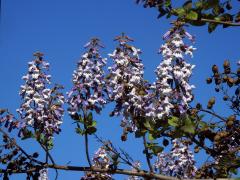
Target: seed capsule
214 69
209 80
226 64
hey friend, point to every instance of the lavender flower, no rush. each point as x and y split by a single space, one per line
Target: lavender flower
178 163
101 160
125 82
43 174
41 108
172 85
88 81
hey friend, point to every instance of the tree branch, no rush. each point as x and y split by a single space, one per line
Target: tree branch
139 173
219 22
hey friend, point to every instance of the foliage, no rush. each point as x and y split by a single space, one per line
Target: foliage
198 13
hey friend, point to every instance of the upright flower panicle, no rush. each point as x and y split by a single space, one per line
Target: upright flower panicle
172 85
88 81
179 162
125 82
41 108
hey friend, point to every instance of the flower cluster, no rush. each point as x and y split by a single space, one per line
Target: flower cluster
88 80
101 160
172 85
125 82
41 108
178 163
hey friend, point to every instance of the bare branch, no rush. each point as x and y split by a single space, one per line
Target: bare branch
139 173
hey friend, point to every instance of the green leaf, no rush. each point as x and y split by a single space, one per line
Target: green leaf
173 121
50 144
197 23
189 126
187 5
94 123
167 3
150 137
211 27
216 10
157 149
147 125
139 133
199 5
180 11
27 134
91 130
79 131
210 4
90 116
192 15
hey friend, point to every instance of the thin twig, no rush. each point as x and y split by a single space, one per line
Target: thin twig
147 153
214 114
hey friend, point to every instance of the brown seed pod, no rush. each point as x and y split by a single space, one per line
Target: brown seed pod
196 149
214 69
231 118
225 98
212 101
230 82
217 138
226 64
230 123
209 80
124 137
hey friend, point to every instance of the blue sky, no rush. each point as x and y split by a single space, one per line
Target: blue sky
60 28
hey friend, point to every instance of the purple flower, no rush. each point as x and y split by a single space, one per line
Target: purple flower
126 85
101 159
179 162
41 106
173 73
88 81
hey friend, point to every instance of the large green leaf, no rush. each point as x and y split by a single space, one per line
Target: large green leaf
187 5
173 121
189 126
192 15
180 12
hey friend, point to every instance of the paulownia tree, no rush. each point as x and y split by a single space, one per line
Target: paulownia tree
161 113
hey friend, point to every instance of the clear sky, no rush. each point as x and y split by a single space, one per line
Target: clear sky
60 28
